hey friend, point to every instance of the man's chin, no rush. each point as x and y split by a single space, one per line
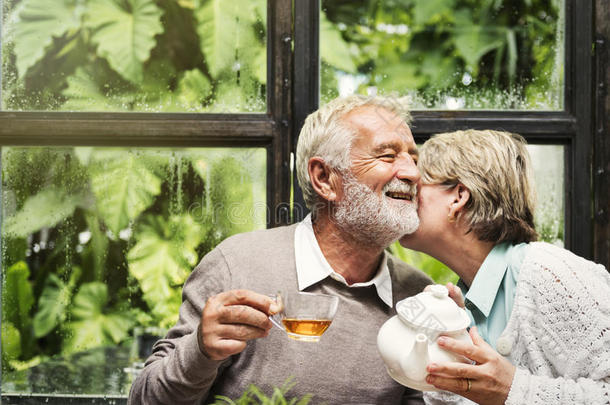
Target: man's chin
407 239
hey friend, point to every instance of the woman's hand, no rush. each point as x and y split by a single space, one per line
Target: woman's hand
488 381
454 293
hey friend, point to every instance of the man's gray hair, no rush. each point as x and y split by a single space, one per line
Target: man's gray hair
325 135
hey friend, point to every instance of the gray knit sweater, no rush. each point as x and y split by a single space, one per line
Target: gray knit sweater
344 367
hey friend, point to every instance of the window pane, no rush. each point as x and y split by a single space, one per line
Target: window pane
134 55
96 244
446 54
548 162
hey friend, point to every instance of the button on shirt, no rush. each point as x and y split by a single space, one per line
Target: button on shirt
312 265
489 300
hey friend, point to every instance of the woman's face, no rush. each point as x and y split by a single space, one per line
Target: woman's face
434 204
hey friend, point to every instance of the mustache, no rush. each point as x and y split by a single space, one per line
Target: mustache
399 186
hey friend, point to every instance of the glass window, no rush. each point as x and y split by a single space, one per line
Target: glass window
446 54
134 55
96 244
549 170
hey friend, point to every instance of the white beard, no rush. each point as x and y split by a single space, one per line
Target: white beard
376 219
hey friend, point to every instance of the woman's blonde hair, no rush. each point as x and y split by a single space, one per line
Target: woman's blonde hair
325 135
496 168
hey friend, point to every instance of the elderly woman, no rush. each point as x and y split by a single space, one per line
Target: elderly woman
544 310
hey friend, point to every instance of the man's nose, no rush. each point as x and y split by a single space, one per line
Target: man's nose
407 170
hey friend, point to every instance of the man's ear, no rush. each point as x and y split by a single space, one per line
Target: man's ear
461 196
323 179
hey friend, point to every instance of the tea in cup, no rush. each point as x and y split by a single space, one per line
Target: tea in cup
305 316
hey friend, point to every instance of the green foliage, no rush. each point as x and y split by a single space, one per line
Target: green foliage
124 32
440 273
489 54
17 301
100 240
135 55
53 302
36 17
162 259
45 209
11 342
124 186
255 396
93 323
336 51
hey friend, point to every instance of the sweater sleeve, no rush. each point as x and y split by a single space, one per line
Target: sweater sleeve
566 328
178 372
532 389
445 398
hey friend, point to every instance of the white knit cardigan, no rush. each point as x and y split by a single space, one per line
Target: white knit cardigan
558 334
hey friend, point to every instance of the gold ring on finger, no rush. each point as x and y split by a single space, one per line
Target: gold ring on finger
469 384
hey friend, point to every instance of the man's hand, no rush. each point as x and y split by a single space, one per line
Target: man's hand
488 381
231 318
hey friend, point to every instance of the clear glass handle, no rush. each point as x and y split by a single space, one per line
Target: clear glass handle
276 319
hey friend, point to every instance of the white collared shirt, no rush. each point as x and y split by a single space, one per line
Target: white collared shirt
312 265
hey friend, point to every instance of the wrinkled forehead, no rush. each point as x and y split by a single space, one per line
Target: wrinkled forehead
372 124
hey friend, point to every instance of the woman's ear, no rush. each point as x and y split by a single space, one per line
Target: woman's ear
323 179
460 195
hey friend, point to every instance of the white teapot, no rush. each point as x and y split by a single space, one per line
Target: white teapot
407 341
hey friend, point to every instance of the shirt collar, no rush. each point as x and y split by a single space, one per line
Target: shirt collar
484 288
312 265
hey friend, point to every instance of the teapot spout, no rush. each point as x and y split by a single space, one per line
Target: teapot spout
414 364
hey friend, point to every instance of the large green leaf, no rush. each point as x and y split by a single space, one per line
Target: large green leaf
163 257
45 209
17 296
194 87
472 41
333 48
84 94
37 23
11 342
425 11
222 27
400 77
93 324
52 305
124 187
99 246
124 31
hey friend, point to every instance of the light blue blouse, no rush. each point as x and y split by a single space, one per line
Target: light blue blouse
489 300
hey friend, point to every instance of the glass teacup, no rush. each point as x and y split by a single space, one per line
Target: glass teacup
305 316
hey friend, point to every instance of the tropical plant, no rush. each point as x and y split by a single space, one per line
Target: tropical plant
99 241
478 53
253 395
135 55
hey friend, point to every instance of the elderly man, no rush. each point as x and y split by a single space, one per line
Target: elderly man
356 164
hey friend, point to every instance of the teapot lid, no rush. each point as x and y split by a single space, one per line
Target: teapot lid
433 309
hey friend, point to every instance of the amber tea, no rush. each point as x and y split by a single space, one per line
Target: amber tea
307 327
305 316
